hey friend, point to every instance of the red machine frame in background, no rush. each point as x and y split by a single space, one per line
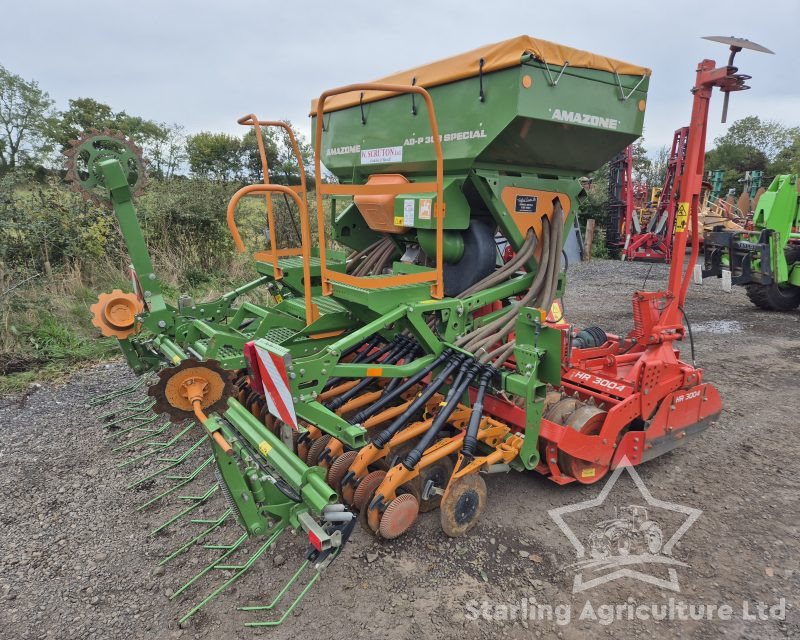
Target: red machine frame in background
654 241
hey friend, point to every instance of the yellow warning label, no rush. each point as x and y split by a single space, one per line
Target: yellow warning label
590 472
265 447
398 221
681 217
278 298
176 360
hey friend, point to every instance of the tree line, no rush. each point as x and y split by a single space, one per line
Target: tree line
44 225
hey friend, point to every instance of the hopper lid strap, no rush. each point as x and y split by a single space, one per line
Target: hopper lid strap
622 95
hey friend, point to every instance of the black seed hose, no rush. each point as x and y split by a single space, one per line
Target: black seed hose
382 439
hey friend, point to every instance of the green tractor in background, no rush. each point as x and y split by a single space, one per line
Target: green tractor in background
766 258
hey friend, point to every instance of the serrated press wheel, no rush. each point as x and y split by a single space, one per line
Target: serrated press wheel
338 469
316 449
367 487
399 515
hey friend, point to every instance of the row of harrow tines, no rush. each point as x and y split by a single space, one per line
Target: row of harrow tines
216 503
425 444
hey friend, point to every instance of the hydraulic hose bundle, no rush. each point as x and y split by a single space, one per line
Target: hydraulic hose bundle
373 259
540 294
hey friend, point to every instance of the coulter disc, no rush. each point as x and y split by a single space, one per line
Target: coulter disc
439 475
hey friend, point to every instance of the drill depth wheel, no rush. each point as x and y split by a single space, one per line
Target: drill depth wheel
462 505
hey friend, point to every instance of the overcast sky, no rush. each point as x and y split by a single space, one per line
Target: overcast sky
204 64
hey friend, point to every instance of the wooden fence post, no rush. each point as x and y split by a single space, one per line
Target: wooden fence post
588 239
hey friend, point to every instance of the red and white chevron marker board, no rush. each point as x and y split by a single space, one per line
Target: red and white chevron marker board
272 369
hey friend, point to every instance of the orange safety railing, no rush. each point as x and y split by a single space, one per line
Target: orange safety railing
297 193
312 313
273 254
371 282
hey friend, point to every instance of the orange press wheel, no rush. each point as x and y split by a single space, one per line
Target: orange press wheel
398 517
115 313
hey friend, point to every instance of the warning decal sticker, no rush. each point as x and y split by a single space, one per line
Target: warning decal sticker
681 217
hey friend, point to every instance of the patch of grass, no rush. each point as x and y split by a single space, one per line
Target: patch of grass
46 328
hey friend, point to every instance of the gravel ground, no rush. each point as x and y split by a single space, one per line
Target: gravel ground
78 560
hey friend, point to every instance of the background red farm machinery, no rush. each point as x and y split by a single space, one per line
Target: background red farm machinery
639 227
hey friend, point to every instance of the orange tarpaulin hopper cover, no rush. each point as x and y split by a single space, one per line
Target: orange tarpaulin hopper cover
500 55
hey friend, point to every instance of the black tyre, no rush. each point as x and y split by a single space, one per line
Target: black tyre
477 261
775 297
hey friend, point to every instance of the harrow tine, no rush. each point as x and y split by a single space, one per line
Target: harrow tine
183 481
173 462
139 425
155 431
122 391
196 502
279 597
213 525
229 549
132 406
157 447
240 570
140 417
